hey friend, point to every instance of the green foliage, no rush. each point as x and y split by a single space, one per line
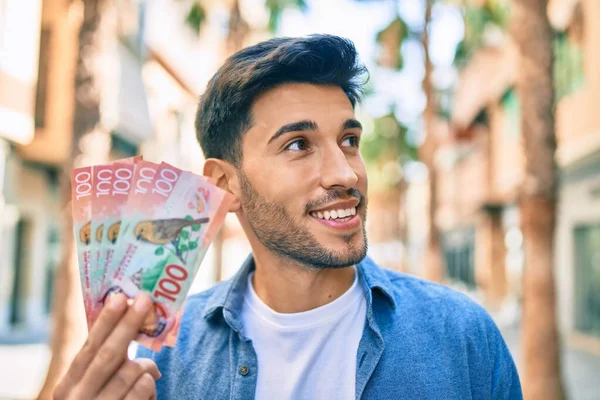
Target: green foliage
184 234
390 40
276 8
196 227
159 251
387 142
194 244
196 17
493 13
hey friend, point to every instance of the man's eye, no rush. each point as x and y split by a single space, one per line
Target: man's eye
297 145
351 141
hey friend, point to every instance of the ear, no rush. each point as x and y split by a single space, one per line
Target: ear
225 174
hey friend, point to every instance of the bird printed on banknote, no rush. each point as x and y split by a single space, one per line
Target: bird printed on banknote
164 231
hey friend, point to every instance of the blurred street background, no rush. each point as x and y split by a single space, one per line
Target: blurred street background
450 144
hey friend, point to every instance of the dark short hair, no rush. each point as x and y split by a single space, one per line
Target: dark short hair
224 112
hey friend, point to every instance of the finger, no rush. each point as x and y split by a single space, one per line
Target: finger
121 382
113 351
144 389
149 366
107 320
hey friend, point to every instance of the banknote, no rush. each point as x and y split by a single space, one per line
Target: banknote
112 184
143 227
166 242
102 176
81 198
133 210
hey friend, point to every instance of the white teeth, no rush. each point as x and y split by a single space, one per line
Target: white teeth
335 214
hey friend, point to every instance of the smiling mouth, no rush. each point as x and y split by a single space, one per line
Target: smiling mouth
340 215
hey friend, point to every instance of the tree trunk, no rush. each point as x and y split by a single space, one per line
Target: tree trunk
433 260
89 146
541 375
237 29
237 32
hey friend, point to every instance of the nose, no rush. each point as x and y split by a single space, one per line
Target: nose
336 171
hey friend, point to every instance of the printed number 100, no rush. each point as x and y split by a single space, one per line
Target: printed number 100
169 286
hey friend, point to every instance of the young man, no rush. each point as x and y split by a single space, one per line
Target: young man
308 316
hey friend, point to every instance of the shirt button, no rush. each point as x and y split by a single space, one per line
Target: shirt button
244 370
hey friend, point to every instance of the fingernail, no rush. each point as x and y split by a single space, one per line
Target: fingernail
116 302
142 303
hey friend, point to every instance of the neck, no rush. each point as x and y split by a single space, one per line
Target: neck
289 287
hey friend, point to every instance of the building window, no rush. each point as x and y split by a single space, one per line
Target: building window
52 264
587 279
512 109
459 255
121 148
20 287
42 81
568 66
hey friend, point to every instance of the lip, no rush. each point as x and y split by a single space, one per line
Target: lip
340 205
351 224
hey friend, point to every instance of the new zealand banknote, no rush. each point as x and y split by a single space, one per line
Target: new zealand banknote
112 184
166 240
81 198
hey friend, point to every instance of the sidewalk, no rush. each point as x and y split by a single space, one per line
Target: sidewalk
23 366
580 370
22 370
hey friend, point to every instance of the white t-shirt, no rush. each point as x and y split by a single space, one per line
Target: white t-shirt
307 355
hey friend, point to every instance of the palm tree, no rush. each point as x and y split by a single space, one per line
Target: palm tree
533 35
68 326
390 40
433 261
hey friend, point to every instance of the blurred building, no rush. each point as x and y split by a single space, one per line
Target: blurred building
481 170
28 205
578 130
148 99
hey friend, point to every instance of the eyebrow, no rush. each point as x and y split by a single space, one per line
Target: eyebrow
352 123
308 125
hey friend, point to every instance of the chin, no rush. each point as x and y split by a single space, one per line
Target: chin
347 252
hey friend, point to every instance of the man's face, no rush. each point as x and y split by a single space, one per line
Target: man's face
302 179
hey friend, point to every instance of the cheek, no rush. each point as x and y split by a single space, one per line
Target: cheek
285 185
294 188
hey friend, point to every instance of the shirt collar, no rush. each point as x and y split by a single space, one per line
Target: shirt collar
229 296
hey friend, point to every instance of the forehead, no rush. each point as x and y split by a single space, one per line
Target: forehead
296 102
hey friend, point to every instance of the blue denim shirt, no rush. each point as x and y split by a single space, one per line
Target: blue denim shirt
421 341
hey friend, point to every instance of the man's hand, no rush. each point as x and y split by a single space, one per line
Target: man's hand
101 369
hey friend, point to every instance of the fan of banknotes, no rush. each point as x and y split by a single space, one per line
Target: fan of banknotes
143 227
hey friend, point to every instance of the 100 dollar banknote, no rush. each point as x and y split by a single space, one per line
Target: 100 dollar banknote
81 198
166 236
112 184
